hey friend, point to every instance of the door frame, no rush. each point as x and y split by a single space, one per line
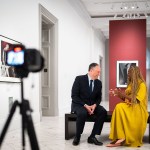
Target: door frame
101 63
43 12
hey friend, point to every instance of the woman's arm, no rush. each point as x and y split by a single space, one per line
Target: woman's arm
117 92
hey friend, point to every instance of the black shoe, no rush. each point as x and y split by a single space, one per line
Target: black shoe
93 140
76 141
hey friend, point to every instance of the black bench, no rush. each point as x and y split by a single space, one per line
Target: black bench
70 124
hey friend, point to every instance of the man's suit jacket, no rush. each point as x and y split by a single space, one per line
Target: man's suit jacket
81 92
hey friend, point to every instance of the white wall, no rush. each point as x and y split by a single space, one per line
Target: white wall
19 21
78 46
99 51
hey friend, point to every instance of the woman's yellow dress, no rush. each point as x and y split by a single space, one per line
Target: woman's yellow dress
129 121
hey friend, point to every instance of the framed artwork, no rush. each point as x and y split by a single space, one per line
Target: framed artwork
122 71
7 73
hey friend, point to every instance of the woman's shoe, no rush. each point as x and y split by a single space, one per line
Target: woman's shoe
120 142
112 143
116 143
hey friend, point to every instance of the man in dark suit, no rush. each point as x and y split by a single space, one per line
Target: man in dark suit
86 97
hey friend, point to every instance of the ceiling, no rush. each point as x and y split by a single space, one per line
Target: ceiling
101 11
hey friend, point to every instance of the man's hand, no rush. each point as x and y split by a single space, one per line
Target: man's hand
90 109
93 108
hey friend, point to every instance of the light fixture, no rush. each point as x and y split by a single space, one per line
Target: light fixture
115 16
146 15
138 15
131 10
129 5
124 15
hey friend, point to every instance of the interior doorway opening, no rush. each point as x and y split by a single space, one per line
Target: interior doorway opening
101 64
49 75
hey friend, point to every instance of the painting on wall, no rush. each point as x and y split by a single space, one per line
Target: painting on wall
7 73
122 71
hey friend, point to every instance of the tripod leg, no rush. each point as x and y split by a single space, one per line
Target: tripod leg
29 126
13 108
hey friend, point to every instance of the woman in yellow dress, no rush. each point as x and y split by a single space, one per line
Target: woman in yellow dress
129 119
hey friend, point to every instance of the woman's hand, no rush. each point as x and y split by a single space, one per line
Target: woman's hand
128 102
111 92
115 92
118 92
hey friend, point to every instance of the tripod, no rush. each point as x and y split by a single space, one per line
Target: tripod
27 123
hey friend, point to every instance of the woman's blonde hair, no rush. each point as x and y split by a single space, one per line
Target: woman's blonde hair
135 80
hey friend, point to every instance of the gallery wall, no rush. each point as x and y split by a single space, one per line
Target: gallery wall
148 66
78 45
127 42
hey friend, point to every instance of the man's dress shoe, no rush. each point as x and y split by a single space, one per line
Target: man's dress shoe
93 140
76 141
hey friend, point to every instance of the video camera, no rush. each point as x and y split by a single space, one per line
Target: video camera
24 60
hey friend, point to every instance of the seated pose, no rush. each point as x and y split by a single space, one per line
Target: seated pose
86 97
129 119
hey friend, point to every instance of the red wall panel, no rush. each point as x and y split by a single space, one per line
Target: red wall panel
127 41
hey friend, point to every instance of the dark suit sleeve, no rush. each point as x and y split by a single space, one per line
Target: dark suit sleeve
75 95
99 95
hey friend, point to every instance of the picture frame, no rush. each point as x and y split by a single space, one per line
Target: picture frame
122 71
7 73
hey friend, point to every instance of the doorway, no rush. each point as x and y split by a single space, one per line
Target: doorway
101 66
102 75
49 76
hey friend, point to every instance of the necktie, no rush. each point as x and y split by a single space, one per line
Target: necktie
91 81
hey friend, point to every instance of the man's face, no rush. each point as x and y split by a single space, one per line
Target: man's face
95 72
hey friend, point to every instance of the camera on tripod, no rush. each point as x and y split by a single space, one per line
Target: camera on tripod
24 60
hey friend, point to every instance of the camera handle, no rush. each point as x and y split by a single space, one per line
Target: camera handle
27 123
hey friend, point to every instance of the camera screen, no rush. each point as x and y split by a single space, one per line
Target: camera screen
15 58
